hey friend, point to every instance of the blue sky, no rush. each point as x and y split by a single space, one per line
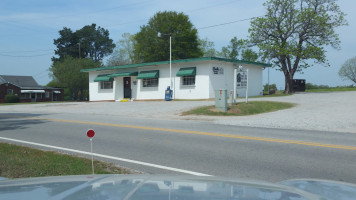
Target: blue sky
28 27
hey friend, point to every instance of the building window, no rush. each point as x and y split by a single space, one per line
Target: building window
106 85
39 96
47 94
150 82
25 96
10 91
188 80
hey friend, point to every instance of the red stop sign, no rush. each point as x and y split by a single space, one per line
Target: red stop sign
90 133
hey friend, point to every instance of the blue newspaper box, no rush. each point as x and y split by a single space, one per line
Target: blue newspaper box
168 94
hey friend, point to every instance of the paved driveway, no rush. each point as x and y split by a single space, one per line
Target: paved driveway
334 111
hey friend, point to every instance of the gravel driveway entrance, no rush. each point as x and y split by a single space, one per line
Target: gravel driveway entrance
334 111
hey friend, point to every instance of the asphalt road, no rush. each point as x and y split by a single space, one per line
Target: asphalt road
198 147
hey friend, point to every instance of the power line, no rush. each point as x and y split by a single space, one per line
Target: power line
222 24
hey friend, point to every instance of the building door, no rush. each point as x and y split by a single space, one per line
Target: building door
33 97
127 87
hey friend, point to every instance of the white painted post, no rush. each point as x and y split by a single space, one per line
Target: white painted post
246 85
234 95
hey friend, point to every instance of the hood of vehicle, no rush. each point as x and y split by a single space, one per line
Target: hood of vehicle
168 187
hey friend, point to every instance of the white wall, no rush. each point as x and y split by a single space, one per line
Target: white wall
97 94
255 86
153 92
199 91
201 88
220 81
225 80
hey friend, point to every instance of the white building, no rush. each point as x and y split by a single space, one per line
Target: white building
196 78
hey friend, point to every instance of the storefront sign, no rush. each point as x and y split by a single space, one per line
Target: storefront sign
241 79
218 70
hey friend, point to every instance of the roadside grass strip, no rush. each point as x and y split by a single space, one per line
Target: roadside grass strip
241 109
21 162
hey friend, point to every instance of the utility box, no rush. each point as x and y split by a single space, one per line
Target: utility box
221 100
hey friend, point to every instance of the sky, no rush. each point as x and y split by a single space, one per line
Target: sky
28 28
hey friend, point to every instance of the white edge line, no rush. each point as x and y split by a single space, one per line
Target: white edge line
109 157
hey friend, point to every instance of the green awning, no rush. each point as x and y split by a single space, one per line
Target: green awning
124 74
189 71
148 74
102 78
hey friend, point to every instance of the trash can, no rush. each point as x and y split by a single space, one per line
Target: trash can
168 94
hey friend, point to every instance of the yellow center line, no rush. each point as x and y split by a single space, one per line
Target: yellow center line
201 133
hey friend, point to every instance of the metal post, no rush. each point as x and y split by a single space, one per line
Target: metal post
92 159
170 60
246 85
234 95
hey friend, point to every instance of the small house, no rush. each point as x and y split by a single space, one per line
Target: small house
28 89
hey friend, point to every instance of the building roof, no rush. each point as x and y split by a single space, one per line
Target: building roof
21 81
176 61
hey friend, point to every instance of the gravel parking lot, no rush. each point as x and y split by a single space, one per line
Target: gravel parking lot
334 111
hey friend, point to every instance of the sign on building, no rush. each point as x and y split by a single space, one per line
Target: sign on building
218 70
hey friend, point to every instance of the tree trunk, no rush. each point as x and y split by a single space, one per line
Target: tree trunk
288 88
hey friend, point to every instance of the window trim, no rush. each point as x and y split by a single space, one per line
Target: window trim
8 91
188 79
25 95
149 80
104 83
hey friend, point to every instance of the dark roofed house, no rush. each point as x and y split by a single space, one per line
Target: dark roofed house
28 89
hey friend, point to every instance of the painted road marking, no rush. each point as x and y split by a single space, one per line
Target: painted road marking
109 157
334 146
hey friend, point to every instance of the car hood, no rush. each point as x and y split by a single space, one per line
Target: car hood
170 187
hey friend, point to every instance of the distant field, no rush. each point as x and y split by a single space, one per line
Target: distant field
333 89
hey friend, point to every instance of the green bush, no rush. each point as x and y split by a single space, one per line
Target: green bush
272 87
12 98
67 98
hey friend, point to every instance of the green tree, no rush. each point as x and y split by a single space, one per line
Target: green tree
124 51
348 70
294 32
207 47
249 55
88 42
233 49
67 73
238 49
149 47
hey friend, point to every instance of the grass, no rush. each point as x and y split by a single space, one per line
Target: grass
241 109
21 162
271 95
332 89
192 99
